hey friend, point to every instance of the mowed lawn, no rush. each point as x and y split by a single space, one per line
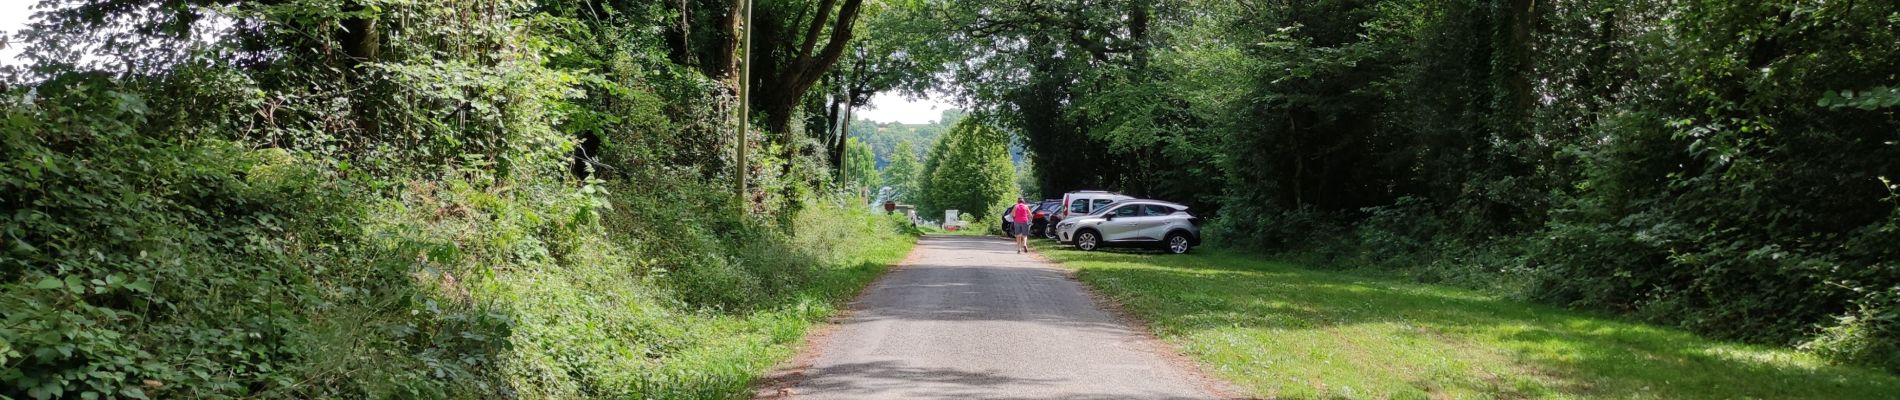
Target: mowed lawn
1283 331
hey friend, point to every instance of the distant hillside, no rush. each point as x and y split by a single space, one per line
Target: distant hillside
884 137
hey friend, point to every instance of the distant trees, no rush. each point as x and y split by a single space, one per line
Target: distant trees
900 174
969 170
860 166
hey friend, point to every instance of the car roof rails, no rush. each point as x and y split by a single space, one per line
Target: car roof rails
1148 201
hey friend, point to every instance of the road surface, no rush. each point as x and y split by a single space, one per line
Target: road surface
968 318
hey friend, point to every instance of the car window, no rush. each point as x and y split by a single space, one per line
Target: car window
1101 202
1127 210
1157 210
1079 206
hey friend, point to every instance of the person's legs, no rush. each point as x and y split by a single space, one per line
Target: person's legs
1022 240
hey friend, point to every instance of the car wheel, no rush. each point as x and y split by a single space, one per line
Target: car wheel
1087 240
1178 243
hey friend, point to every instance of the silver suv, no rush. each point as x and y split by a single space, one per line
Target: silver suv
1134 223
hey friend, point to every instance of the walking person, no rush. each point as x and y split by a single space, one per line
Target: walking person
1020 226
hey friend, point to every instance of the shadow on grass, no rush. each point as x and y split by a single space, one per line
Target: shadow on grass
1567 352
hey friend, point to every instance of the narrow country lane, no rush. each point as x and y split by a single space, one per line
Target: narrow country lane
969 318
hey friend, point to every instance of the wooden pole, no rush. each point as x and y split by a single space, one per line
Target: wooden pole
745 98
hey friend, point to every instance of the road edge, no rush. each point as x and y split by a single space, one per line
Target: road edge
1220 388
777 382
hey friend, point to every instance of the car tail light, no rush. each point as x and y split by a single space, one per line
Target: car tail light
1196 221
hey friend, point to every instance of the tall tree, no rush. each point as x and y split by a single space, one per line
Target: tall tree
790 59
860 166
901 172
970 171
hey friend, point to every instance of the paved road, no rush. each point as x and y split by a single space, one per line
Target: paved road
968 318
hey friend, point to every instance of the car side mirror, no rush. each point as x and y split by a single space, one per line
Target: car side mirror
1110 217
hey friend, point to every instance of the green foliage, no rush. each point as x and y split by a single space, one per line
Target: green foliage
1879 97
860 166
193 268
902 173
969 171
1720 166
1026 180
884 138
319 199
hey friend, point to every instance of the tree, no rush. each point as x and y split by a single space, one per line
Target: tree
1026 181
860 166
970 171
901 172
790 60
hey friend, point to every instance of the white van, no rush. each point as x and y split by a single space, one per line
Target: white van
1084 202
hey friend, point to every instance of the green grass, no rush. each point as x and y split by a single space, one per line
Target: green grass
1283 331
605 324
724 354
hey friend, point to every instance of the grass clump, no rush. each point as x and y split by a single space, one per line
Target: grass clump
1285 331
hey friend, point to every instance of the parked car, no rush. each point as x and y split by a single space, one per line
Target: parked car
1004 220
1134 223
1085 202
1040 218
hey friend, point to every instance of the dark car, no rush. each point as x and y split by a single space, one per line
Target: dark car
1004 217
1041 216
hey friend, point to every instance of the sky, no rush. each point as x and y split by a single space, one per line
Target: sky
892 107
13 16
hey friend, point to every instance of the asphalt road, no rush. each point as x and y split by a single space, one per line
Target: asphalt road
968 318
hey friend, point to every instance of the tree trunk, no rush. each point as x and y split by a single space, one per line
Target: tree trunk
837 149
781 96
679 41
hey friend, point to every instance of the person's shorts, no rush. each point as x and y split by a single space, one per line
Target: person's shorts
1019 229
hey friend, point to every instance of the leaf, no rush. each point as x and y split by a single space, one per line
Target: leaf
75 284
141 286
49 283
133 392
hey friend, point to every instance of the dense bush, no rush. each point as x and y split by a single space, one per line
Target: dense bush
322 199
144 266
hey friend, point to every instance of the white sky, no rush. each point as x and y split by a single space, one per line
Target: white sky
892 107
13 16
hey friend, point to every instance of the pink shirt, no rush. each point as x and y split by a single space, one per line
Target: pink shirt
1020 213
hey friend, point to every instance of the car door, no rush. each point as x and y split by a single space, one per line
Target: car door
1155 220
1125 225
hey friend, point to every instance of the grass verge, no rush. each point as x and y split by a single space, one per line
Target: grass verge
1283 331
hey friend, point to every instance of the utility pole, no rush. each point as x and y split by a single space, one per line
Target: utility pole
745 80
